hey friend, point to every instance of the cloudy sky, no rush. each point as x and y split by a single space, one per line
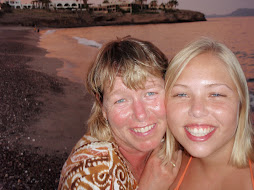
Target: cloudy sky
209 6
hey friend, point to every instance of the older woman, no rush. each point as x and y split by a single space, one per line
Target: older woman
208 111
127 123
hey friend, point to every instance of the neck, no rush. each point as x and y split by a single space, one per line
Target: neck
136 161
214 162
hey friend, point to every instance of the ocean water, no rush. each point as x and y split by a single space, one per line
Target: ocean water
77 47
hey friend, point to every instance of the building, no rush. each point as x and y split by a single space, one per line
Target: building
16 4
108 6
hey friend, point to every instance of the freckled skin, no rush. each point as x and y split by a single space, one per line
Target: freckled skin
204 96
127 109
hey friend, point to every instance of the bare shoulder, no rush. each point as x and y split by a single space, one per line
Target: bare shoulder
185 160
243 175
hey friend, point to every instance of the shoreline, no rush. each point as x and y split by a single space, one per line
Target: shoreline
68 19
42 115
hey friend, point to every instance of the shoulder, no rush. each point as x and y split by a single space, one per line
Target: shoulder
186 160
88 150
92 163
88 158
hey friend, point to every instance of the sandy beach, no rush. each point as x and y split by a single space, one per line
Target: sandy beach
42 115
44 105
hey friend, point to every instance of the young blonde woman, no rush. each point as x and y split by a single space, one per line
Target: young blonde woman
208 112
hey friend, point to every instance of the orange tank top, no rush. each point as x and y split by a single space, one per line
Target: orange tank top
188 164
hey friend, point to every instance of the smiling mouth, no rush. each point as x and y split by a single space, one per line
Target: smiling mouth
199 132
143 129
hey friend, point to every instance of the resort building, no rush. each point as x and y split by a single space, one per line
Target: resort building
108 6
16 4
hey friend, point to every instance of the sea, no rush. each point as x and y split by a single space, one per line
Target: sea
77 47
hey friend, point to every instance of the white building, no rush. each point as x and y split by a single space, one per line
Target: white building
13 3
111 6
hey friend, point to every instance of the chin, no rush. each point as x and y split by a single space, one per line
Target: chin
148 147
198 154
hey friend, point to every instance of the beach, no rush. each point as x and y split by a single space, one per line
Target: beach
44 105
42 115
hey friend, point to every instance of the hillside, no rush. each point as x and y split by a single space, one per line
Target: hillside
243 12
60 19
236 13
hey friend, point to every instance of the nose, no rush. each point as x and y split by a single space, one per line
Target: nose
139 110
198 107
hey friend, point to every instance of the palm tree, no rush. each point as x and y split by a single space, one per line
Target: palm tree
175 3
105 1
86 6
172 3
153 4
163 6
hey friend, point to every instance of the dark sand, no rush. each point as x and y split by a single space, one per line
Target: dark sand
42 115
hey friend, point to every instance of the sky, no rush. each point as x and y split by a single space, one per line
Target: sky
209 7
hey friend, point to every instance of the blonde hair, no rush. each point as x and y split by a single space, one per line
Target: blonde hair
133 60
243 143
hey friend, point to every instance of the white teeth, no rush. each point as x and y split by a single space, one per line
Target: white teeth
143 129
199 132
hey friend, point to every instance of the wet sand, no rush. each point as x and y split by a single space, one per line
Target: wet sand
42 115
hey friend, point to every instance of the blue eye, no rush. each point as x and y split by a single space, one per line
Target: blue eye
217 95
181 95
150 93
119 101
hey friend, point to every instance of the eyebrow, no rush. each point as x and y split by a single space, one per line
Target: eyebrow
208 85
151 85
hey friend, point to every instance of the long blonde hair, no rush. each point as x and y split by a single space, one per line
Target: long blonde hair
243 144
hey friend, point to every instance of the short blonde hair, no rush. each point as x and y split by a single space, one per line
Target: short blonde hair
243 143
133 60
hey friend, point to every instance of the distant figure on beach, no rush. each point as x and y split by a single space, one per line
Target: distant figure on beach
36 29
208 112
128 145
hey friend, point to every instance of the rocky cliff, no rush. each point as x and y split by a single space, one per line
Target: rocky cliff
63 19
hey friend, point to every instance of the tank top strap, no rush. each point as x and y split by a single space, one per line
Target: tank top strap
251 173
184 172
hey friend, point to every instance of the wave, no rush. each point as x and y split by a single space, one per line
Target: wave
49 32
87 42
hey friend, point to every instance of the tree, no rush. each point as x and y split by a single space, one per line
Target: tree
86 6
163 6
45 3
105 2
153 4
141 2
175 3
172 3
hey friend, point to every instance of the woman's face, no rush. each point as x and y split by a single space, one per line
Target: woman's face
203 107
137 117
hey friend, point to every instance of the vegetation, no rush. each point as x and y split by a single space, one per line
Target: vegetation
6 8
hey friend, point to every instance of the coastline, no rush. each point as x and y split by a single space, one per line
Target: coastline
29 153
69 19
42 115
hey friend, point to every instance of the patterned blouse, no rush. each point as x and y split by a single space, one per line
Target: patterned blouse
95 164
